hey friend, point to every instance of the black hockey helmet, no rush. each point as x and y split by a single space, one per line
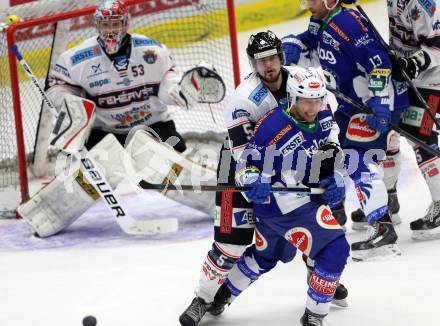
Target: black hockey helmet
264 44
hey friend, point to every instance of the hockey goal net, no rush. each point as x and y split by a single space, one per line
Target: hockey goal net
193 30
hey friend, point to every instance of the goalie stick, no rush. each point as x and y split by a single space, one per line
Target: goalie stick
127 223
231 188
392 54
367 110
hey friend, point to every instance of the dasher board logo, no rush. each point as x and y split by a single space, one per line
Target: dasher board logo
292 144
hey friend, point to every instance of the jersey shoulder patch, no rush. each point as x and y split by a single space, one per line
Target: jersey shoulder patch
141 40
84 51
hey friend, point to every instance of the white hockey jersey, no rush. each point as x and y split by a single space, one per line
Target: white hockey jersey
130 90
249 103
415 25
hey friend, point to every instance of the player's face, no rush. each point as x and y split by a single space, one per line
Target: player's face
306 109
269 68
317 8
111 27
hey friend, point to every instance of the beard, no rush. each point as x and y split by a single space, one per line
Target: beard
271 79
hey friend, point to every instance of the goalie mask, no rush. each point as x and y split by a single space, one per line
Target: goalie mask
111 21
262 45
306 83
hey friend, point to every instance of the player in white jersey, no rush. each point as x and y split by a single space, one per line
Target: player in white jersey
131 78
415 37
259 92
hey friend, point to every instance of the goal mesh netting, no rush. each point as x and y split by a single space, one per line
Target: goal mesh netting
193 30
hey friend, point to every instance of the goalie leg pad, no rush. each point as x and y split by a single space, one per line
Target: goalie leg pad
158 163
58 204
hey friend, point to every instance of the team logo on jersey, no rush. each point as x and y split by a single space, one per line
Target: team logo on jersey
240 113
328 39
143 42
436 25
62 70
243 217
300 238
259 94
121 62
358 130
260 241
85 54
429 6
292 144
339 31
150 57
99 83
126 82
280 135
314 28
363 41
325 218
326 124
415 13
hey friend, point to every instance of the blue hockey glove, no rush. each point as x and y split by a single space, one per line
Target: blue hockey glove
334 189
260 189
292 49
382 115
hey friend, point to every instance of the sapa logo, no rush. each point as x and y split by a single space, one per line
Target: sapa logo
300 238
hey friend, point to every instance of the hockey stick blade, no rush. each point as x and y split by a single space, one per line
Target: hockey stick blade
232 188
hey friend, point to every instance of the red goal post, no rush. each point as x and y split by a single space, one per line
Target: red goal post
193 30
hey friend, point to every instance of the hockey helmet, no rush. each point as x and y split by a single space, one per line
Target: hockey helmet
304 4
306 83
111 21
264 44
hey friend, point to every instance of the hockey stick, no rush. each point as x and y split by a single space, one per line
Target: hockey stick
366 109
231 188
392 54
127 223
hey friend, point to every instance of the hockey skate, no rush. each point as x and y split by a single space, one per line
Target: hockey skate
221 299
427 227
381 241
394 206
311 319
194 313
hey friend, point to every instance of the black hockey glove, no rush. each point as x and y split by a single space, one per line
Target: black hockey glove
413 65
331 156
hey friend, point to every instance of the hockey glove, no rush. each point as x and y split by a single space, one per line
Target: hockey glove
382 115
260 189
330 156
413 65
348 2
292 49
177 96
334 189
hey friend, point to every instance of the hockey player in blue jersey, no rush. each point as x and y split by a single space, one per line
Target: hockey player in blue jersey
289 148
341 41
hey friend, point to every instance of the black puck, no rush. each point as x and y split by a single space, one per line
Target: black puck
89 321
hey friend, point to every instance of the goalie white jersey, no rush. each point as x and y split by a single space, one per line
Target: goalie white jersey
129 88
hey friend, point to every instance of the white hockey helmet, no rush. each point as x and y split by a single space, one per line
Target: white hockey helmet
111 21
304 4
306 83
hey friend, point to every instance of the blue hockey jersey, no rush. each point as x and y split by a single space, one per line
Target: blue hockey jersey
282 149
353 59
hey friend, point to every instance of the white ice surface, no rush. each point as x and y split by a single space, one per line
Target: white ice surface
95 269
